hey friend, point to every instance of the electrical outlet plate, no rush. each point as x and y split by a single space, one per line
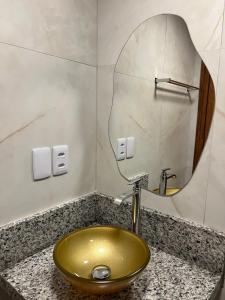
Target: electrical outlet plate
60 160
121 149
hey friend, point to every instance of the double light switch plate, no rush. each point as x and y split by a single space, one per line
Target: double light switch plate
47 162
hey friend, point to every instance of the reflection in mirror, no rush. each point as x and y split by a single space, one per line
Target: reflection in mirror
162 106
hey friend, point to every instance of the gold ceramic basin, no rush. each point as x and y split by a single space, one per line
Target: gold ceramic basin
118 254
169 191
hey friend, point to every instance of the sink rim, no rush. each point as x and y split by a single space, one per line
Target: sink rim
90 280
169 188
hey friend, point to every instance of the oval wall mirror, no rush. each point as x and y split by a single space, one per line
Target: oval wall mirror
162 107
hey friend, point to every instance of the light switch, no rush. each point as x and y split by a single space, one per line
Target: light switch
121 149
60 160
130 147
41 163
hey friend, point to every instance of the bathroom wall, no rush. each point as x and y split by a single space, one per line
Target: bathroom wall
202 200
48 90
163 122
47 97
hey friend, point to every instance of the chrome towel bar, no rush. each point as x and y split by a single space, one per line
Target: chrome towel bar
174 82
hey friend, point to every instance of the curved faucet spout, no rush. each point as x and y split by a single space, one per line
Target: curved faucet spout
136 205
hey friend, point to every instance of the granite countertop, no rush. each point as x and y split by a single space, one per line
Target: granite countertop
166 277
187 259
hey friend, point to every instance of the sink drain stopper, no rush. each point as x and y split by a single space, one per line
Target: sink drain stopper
101 272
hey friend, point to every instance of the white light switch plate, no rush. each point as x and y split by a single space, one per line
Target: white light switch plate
60 160
41 163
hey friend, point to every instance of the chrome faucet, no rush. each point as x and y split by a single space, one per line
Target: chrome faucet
136 204
163 181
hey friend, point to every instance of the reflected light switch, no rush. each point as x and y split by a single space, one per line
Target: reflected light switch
130 147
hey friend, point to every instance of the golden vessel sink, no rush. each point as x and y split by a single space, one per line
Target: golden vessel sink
102 259
169 191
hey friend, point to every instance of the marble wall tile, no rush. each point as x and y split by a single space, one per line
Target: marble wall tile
215 205
63 28
190 202
212 61
140 57
111 182
223 32
120 18
117 20
44 101
133 104
180 53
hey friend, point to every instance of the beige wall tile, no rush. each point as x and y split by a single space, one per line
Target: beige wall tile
109 180
215 205
64 28
117 20
44 101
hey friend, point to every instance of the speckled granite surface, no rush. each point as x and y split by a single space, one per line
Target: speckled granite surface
165 278
186 265
187 240
30 235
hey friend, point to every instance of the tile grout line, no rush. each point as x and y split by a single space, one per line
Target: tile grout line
48 54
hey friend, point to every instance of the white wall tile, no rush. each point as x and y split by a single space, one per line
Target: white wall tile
44 101
109 180
117 20
223 31
215 206
62 28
